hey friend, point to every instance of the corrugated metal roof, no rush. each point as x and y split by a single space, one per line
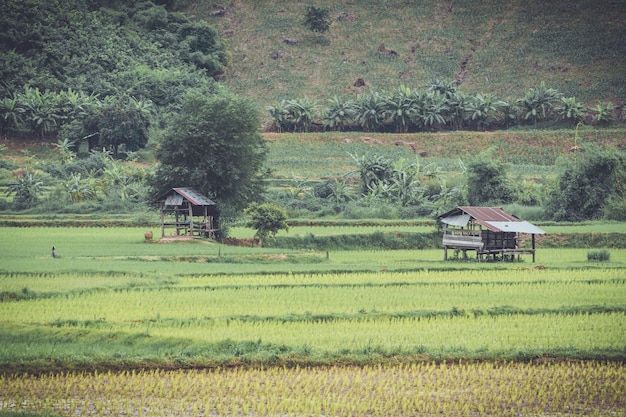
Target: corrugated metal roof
460 220
194 197
175 196
493 218
518 227
494 214
174 200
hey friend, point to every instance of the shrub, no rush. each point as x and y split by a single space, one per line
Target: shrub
601 255
585 185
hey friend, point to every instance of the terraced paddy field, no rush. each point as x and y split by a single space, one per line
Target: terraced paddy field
117 326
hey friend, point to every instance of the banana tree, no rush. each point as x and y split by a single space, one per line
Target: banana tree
279 116
372 170
401 107
371 112
41 110
301 113
11 114
27 189
432 112
481 110
603 113
570 110
538 103
340 114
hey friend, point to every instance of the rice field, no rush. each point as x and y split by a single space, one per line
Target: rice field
116 326
424 389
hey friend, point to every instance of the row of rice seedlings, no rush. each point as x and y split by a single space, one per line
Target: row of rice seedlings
444 276
219 341
216 302
489 335
508 336
425 388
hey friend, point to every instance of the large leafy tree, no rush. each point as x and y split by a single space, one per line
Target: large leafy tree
121 122
215 146
487 181
587 182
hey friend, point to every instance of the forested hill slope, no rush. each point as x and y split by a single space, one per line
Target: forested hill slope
490 46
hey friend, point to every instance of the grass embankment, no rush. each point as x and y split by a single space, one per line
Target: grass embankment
529 153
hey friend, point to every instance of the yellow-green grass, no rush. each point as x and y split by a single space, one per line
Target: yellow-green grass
485 389
122 254
486 314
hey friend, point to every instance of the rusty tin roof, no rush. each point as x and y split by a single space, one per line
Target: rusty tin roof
493 218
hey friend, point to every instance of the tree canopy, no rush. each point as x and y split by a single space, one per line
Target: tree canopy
487 181
267 219
588 181
214 145
101 49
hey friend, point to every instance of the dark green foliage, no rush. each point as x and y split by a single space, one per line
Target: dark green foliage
487 182
100 48
121 122
587 181
152 18
292 115
601 255
316 19
538 103
267 219
201 45
373 241
214 145
26 189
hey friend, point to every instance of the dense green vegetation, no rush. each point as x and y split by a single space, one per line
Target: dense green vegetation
116 92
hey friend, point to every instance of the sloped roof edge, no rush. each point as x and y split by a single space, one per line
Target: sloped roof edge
493 218
190 194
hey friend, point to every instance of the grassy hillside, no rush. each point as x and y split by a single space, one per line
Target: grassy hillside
491 46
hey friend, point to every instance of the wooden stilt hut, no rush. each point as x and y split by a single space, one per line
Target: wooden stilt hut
187 212
489 231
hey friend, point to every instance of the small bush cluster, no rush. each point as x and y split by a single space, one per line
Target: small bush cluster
600 255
